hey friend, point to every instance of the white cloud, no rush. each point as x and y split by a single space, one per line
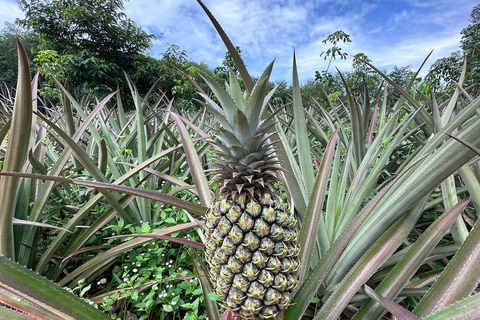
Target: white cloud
9 12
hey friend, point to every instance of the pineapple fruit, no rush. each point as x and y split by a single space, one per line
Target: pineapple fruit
251 239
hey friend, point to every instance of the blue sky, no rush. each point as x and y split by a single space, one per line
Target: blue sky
389 32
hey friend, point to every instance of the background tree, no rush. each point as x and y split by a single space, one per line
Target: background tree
335 50
94 39
401 76
470 44
8 51
449 68
228 64
444 70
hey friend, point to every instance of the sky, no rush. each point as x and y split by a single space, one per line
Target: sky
391 33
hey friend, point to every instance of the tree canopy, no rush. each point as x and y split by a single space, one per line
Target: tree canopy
98 26
91 41
8 51
470 43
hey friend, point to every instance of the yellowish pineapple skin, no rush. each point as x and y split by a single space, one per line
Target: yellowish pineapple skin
252 250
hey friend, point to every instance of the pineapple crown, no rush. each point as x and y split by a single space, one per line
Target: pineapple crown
245 163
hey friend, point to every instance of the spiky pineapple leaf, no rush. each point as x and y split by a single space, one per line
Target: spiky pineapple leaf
13 315
27 291
301 134
236 92
468 308
106 257
413 259
231 49
240 126
193 159
256 101
158 196
396 309
226 102
314 224
368 264
17 151
37 224
191 243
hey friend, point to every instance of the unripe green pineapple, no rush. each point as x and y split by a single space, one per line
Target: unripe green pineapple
251 247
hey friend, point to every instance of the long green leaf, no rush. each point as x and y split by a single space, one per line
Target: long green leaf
314 223
231 49
301 134
368 264
211 306
13 315
25 290
194 162
459 279
466 309
409 264
394 308
149 194
115 252
17 152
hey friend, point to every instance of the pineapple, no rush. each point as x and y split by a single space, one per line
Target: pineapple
251 239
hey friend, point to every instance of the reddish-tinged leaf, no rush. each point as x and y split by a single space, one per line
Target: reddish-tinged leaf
37 224
161 197
466 143
86 249
114 252
190 243
396 309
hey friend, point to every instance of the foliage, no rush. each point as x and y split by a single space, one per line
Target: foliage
228 64
154 281
8 55
332 53
374 176
99 27
444 70
470 43
99 42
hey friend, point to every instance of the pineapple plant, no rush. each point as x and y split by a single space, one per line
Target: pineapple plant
251 237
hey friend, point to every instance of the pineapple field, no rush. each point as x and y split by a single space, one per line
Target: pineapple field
352 196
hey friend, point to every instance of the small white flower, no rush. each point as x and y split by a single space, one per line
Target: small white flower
135 270
173 303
